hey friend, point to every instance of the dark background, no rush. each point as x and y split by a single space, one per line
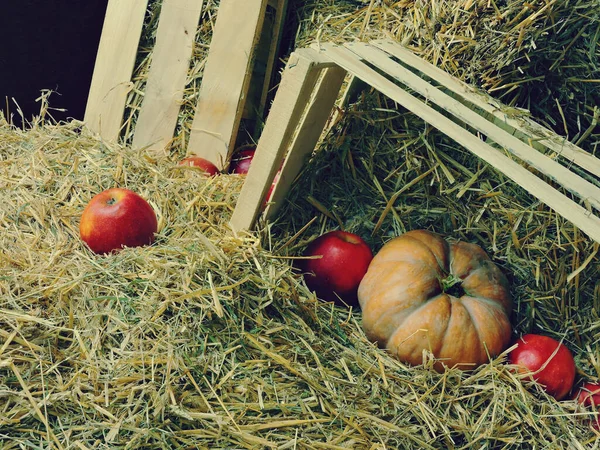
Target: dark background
48 44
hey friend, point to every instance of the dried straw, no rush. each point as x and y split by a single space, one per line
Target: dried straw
208 339
541 55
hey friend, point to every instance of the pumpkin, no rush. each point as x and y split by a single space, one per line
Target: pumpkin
423 293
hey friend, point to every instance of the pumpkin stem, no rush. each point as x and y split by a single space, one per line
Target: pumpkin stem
448 282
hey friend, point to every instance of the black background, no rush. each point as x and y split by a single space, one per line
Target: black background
48 44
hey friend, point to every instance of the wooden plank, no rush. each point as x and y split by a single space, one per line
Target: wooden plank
265 57
309 131
557 201
226 79
297 84
523 128
111 80
569 180
168 71
276 33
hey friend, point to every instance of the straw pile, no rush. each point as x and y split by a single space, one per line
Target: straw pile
209 340
541 55
206 339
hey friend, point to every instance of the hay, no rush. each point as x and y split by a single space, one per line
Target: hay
206 339
209 340
386 171
382 172
542 55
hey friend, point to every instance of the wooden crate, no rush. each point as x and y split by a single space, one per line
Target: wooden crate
310 86
231 68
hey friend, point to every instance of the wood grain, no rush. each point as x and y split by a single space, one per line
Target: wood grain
167 75
226 79
294 93
523 128
111 80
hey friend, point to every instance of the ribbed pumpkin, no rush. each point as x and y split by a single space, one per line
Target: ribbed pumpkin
409 303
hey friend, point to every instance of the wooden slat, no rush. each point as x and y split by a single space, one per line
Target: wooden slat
111 80
569 180
168 71
310 129
578 215
521 127
226 79
297 84
265 57
276 33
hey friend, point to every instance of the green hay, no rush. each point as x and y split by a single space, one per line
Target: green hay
209 340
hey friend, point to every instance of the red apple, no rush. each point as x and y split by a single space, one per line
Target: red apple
551 363
344 260
240 162
203 164
117 218
588 394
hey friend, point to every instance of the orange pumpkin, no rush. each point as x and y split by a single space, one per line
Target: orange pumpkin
409 301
